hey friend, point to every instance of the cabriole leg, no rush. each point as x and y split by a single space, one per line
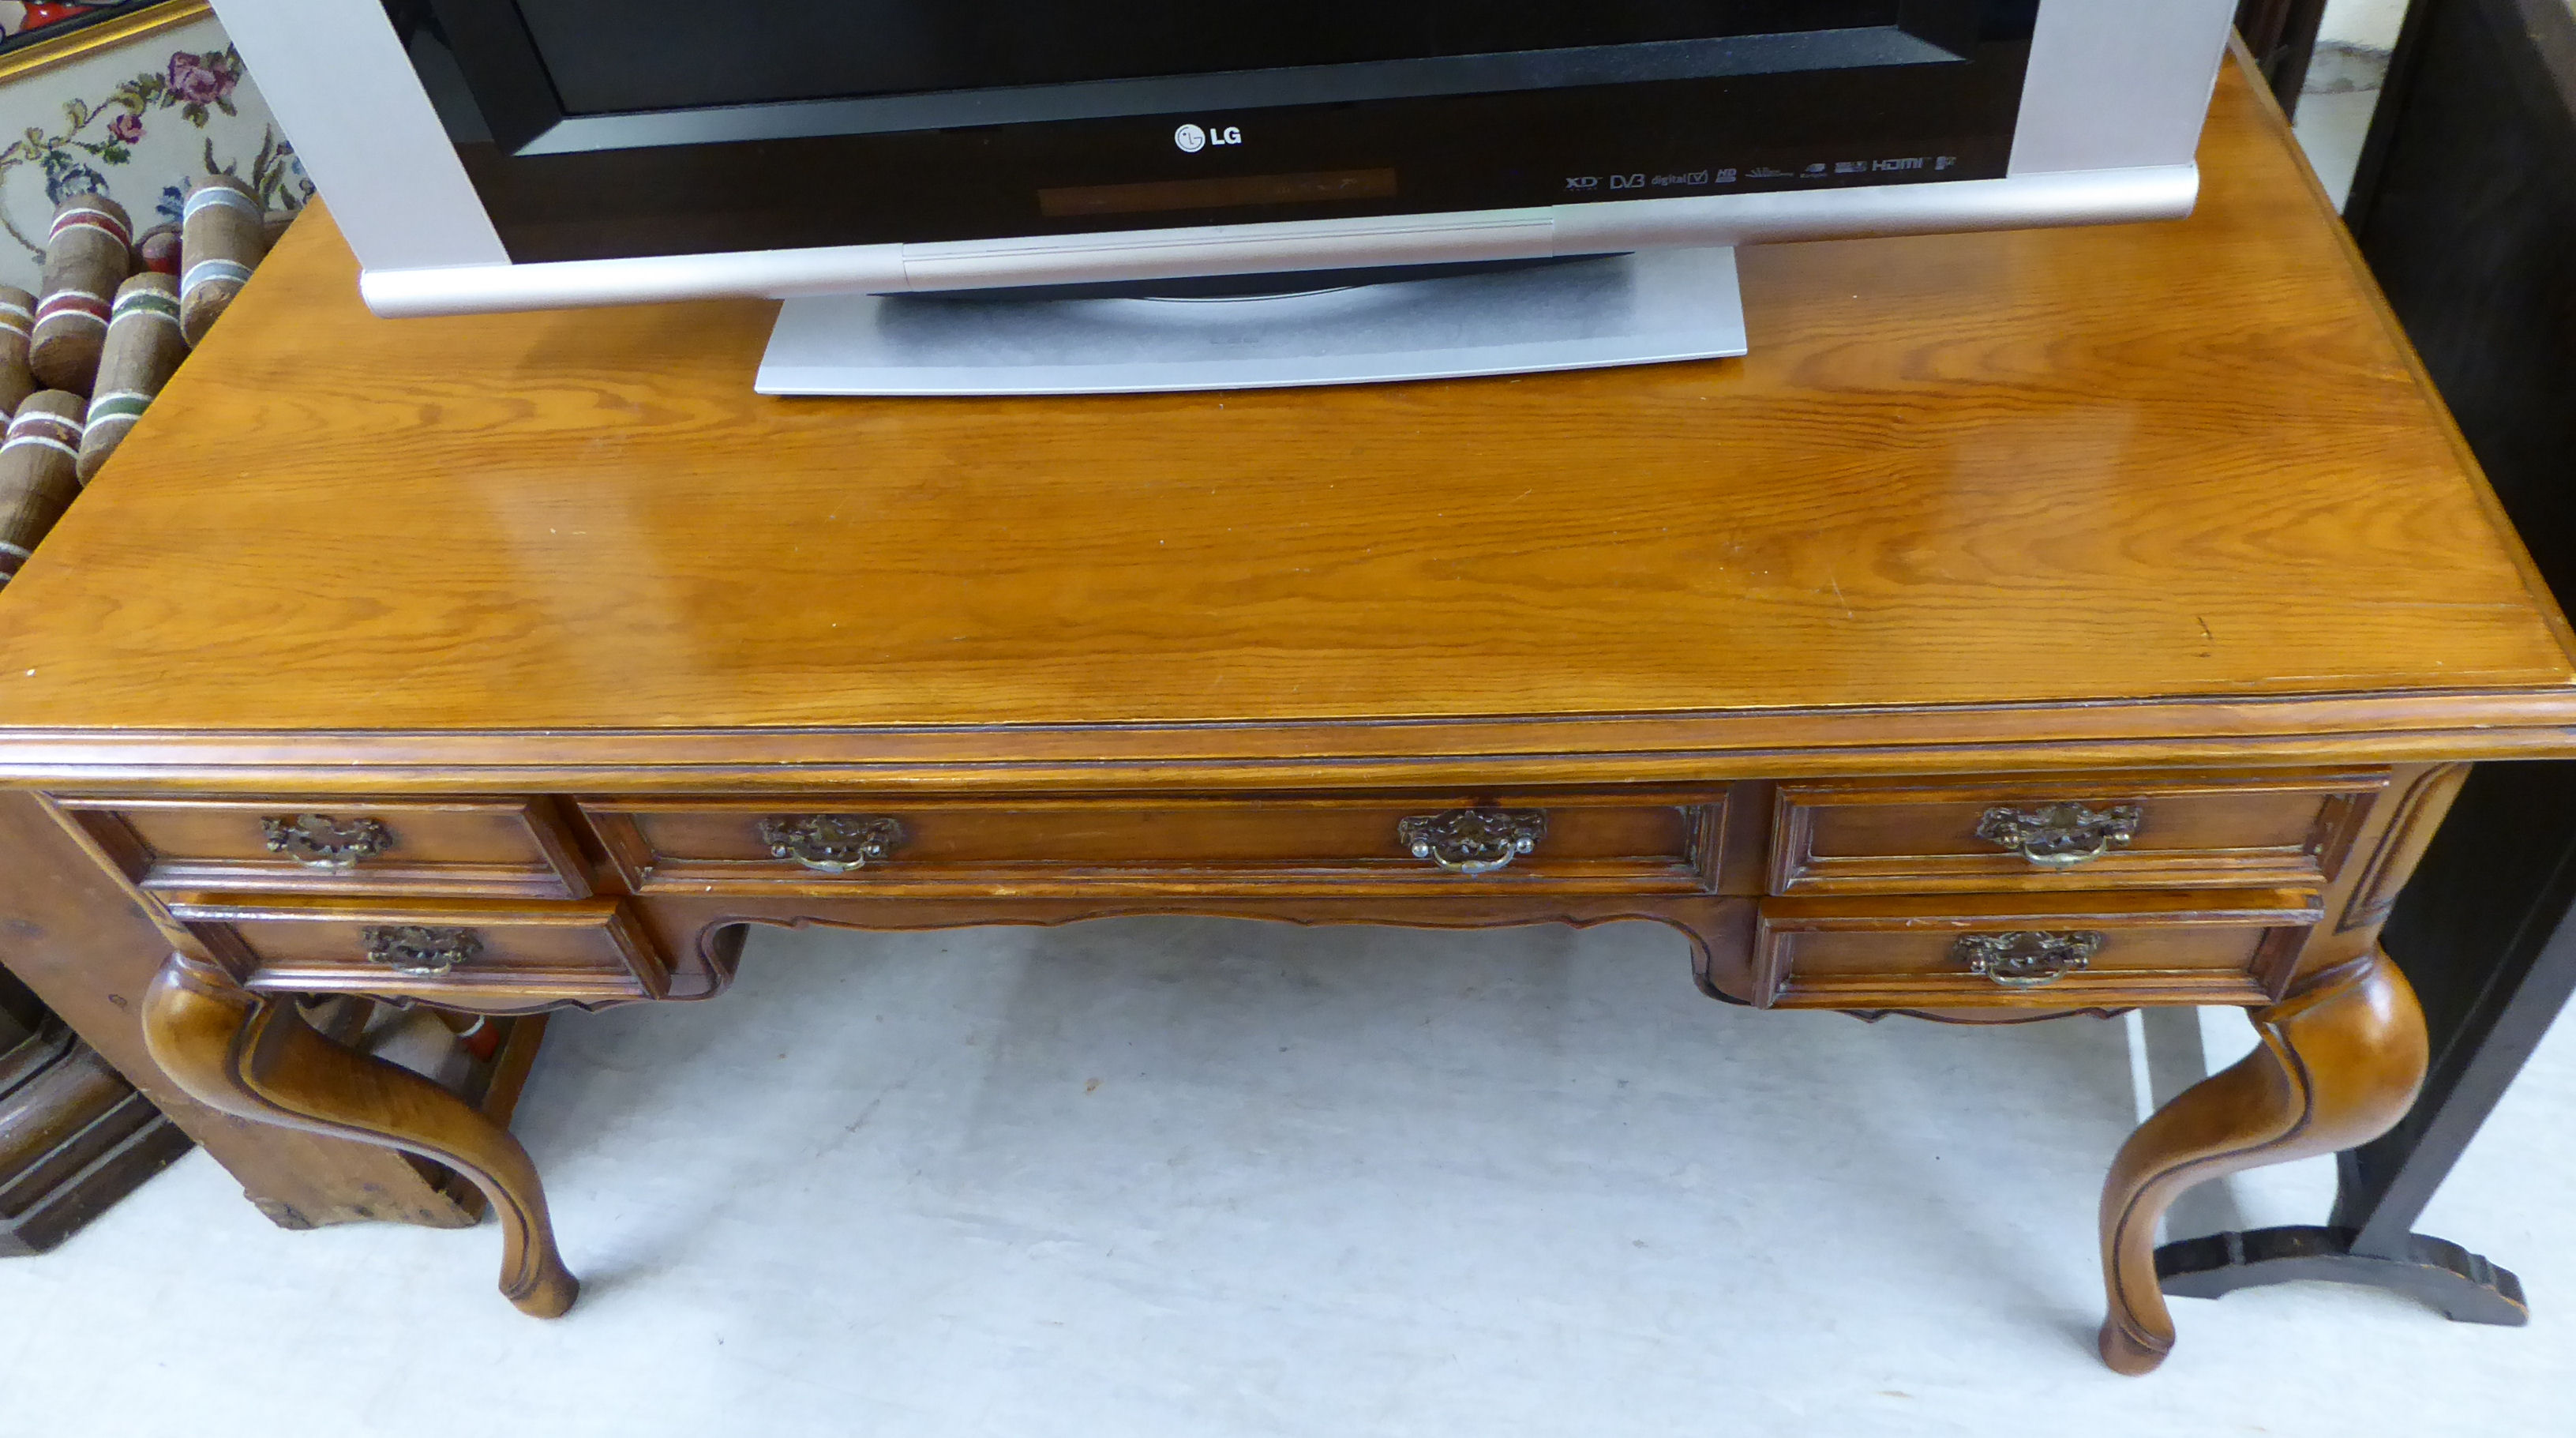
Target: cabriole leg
258 1059
2340 1063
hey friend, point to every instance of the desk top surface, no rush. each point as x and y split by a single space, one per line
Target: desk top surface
2111 486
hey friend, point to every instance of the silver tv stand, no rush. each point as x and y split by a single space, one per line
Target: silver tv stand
1643 308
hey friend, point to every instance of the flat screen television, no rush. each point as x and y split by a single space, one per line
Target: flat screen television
507 154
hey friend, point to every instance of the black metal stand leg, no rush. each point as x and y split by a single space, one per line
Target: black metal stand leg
2464 1287
2487 933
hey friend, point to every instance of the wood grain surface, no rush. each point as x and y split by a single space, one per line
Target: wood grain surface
2016 491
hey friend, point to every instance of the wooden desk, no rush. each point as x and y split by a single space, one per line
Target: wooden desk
2036 624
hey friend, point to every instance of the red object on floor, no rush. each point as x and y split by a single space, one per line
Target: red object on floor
40 15
483 1040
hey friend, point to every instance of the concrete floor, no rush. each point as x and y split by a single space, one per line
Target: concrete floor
1208 1178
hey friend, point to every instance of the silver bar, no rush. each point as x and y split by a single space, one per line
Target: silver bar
2096 197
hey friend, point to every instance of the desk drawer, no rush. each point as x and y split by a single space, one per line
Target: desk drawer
515 848
2031 951
2286 829
474 952
1630 842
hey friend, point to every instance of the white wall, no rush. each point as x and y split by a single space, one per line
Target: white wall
2364 22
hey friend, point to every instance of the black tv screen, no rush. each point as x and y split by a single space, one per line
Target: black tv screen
622 56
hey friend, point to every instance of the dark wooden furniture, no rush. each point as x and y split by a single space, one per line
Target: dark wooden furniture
2008 637
74 1135
2466 209
2282 34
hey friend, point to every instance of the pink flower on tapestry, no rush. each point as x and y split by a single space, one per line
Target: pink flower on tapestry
126 128
196 82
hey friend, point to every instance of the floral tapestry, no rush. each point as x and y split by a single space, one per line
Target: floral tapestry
137 123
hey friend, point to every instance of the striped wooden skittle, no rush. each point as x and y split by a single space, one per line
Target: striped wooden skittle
87 255
222 236
143 347
38 473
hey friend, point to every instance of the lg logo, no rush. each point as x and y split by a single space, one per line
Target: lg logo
1192 139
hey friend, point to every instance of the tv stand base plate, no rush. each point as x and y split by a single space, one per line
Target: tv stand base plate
1645 308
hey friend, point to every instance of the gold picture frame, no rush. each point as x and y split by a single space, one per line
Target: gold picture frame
106 35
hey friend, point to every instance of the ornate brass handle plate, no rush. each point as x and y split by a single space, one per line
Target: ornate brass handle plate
421 950
2061 836
318 841
1472 841
2026 960
831 843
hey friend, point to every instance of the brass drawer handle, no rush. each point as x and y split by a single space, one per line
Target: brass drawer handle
421 950
318 841
1472 841
831 843
2026 960
2061 836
